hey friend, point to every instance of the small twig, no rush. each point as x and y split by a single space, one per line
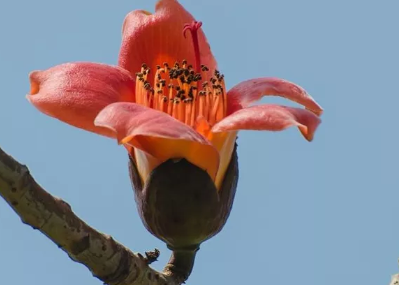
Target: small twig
152 256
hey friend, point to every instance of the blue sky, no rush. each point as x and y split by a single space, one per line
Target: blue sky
306 213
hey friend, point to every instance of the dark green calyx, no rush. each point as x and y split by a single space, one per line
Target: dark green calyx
180 204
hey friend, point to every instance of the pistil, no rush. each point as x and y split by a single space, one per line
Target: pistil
193 28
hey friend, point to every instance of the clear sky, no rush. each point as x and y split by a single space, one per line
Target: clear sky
306 213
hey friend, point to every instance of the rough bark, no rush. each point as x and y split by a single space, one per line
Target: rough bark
108 260
395 280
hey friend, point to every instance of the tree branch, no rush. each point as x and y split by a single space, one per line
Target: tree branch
108 260
395 280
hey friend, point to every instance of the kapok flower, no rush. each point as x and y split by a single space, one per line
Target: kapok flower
167 100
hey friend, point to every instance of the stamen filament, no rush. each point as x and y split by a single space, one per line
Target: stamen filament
180 112
201 106
170 100
188 112
212 117
174 111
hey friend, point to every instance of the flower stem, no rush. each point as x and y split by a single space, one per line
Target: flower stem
181 263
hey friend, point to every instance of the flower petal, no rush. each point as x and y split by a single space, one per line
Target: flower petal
76 92
245 93
270 118
224 142
157 38
158 134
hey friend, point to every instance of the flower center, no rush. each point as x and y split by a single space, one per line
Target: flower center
175 92
190 94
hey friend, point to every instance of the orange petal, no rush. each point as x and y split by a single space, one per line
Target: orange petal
157 38
245 93
145 163
202 126
159 135
76 92
270 118
224 142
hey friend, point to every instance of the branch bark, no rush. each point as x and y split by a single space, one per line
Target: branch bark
395 280
107 260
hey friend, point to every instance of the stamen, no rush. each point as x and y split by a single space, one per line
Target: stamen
169 102
212 116
181 92
188 111
201 107
164 104
173 103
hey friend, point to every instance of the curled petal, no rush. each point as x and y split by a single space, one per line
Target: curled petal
76 92
245 93
270 118
157 38
158 134
224 142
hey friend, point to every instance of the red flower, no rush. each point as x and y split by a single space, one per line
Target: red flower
167 99
167 104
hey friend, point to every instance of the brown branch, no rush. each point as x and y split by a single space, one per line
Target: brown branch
395 280
108 260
